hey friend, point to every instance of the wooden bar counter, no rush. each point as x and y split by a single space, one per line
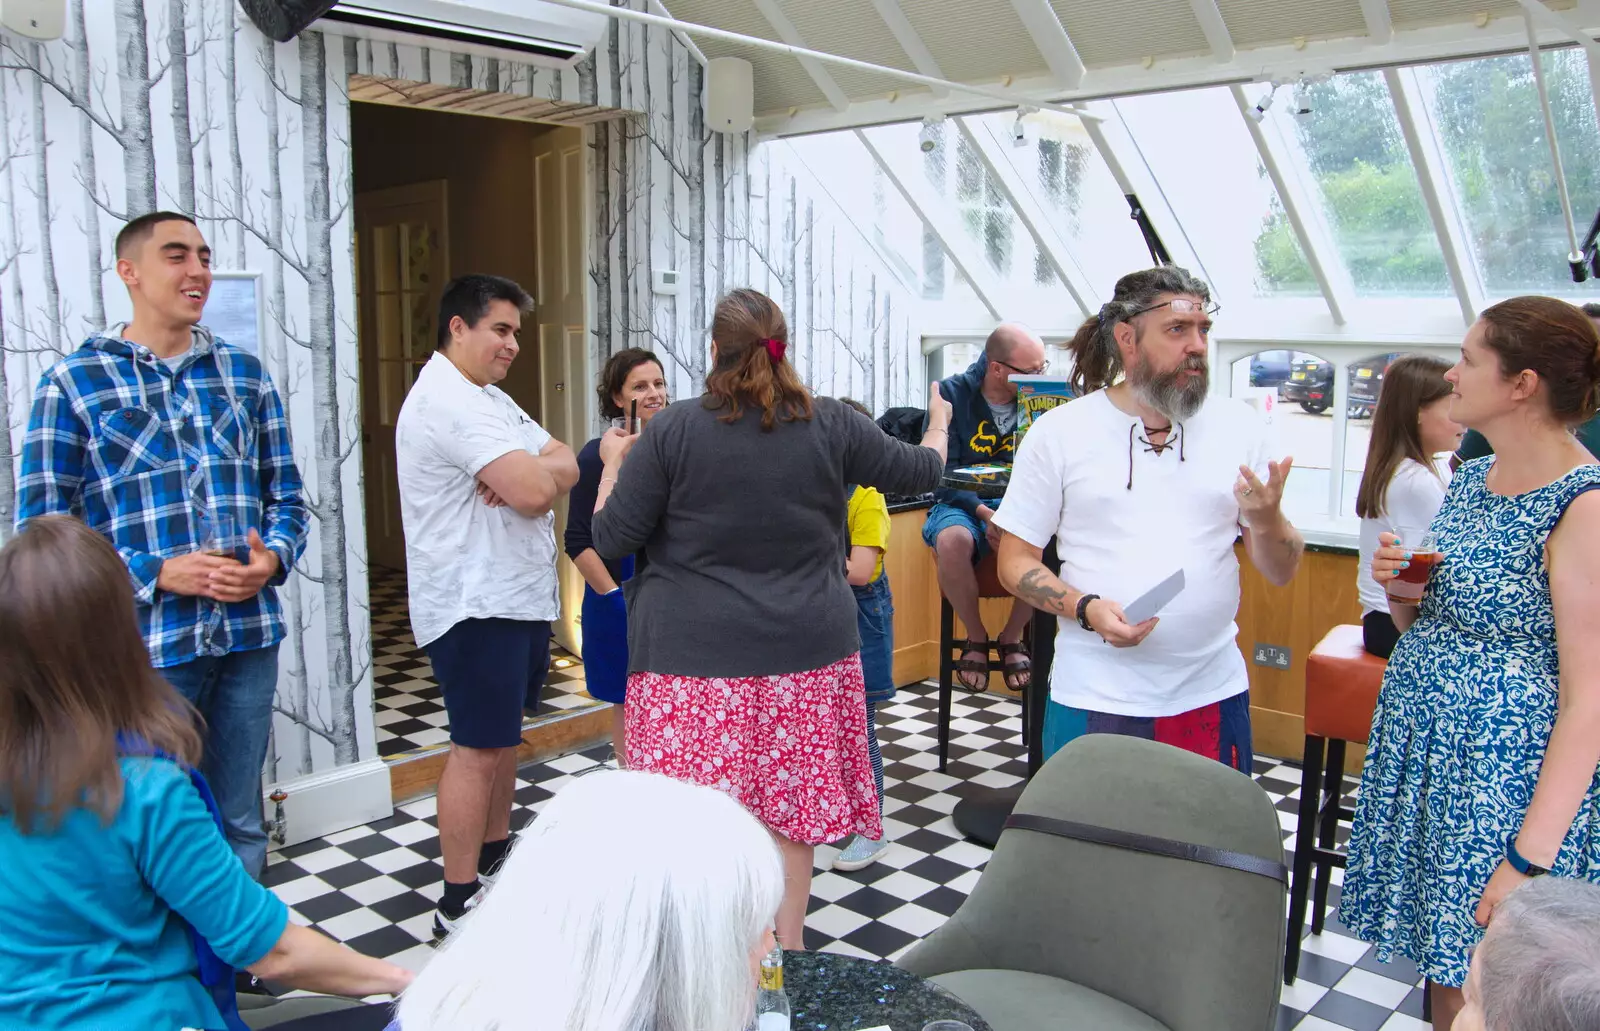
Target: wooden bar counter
1322 595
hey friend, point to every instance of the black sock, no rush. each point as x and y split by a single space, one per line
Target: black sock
490 855
456 897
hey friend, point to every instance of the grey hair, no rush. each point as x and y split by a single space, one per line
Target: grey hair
633 903
1096 361
1539 964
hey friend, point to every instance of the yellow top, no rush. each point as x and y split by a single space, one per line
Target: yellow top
869 523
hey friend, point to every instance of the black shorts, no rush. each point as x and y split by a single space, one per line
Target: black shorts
489 671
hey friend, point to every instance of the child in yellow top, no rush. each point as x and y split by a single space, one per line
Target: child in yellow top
868 517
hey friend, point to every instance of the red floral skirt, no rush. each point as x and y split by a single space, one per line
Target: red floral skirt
792 748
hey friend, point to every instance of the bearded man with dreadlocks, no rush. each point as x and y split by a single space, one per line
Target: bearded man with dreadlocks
1144 475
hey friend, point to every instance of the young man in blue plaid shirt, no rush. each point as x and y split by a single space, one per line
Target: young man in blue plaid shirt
160 436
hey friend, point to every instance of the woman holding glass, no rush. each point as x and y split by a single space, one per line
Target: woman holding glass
632 389
1481 764
1404 481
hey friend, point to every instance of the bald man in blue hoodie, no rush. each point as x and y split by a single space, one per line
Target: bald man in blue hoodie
983 429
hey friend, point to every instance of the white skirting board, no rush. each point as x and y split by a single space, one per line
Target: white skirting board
332 801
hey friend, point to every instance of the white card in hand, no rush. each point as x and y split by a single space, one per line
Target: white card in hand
1154 600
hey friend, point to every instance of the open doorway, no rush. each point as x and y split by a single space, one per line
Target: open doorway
438 195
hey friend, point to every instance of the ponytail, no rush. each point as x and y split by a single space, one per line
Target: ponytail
752 338
1096 362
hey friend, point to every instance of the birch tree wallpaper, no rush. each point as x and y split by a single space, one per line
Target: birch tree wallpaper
151 104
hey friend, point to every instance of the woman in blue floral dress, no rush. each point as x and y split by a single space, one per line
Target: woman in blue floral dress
1481 766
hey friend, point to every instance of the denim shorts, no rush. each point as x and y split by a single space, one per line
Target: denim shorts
489 671
875 621
942 517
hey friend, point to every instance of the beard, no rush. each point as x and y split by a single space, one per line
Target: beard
1172 393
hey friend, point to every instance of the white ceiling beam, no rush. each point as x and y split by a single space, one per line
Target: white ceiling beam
657 7
1380 25
1562 23
1427 156
1028 210
789 34
1209 15
1303 211
1407 46
906 35
940 218
1052 41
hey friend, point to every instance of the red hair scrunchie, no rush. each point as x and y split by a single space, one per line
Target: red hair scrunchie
775 349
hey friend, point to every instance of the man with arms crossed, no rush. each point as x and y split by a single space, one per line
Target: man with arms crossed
1137 479
155 433
478 479
959 527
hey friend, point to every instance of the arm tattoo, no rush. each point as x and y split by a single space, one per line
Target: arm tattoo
1036 589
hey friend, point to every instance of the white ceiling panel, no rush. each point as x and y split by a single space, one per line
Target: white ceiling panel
1113 32
1254 23
975 42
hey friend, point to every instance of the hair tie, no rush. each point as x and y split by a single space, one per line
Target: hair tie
775 349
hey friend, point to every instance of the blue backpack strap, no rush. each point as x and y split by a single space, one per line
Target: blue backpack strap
216 976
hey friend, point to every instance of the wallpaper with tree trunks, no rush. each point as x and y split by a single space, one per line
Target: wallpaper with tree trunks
150 104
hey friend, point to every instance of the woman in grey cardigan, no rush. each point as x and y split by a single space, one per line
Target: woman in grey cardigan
744 665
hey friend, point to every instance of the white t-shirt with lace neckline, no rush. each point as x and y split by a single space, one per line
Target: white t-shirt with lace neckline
1070 482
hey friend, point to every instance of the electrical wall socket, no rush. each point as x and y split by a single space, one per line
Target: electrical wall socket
1271 656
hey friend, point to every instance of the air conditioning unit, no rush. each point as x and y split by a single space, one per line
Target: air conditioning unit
526 30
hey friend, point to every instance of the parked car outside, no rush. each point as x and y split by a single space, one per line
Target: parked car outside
1310 384
1366 380
1270 368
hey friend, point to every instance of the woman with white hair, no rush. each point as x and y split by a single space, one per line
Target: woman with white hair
656 933
1538 967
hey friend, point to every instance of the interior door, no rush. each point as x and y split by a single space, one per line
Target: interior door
402 265
567 403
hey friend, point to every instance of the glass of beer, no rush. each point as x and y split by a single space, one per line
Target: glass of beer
1408 586
220 536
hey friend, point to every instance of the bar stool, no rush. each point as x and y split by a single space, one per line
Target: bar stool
949 651
1342 682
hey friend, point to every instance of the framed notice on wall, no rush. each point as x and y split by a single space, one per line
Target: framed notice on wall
236 310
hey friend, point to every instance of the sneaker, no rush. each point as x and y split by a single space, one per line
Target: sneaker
862 852
444 925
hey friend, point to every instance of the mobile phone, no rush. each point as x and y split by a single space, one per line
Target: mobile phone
633 417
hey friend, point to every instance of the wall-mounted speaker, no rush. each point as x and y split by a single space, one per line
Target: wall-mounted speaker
730 95
283 20
36 19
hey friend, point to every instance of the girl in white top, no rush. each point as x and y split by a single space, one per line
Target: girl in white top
1404 481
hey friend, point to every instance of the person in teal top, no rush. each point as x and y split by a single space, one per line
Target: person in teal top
1473 445
110 852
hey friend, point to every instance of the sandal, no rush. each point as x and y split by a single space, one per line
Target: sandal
964 665
1022 671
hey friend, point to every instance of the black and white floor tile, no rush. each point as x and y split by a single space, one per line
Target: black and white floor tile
375 886
409 710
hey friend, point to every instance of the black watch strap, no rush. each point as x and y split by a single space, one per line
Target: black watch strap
1083 611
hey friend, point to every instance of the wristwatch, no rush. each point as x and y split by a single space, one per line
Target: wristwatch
1083 611
1519 864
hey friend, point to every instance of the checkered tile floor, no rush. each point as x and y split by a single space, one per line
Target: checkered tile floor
409 710
375 886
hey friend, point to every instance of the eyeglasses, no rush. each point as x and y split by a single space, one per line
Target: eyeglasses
1181 306
1040 371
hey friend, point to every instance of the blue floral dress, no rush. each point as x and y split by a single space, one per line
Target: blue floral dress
1460 731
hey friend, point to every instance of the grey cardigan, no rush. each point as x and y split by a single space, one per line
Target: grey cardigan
745 538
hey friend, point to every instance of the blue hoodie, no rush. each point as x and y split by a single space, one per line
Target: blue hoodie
973 436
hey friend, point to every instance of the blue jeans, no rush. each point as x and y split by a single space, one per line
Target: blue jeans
233 693
875 622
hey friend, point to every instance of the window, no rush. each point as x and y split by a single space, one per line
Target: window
1488 117
1196 145
1350 144
994 244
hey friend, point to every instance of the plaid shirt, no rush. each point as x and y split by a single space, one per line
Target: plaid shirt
141 452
